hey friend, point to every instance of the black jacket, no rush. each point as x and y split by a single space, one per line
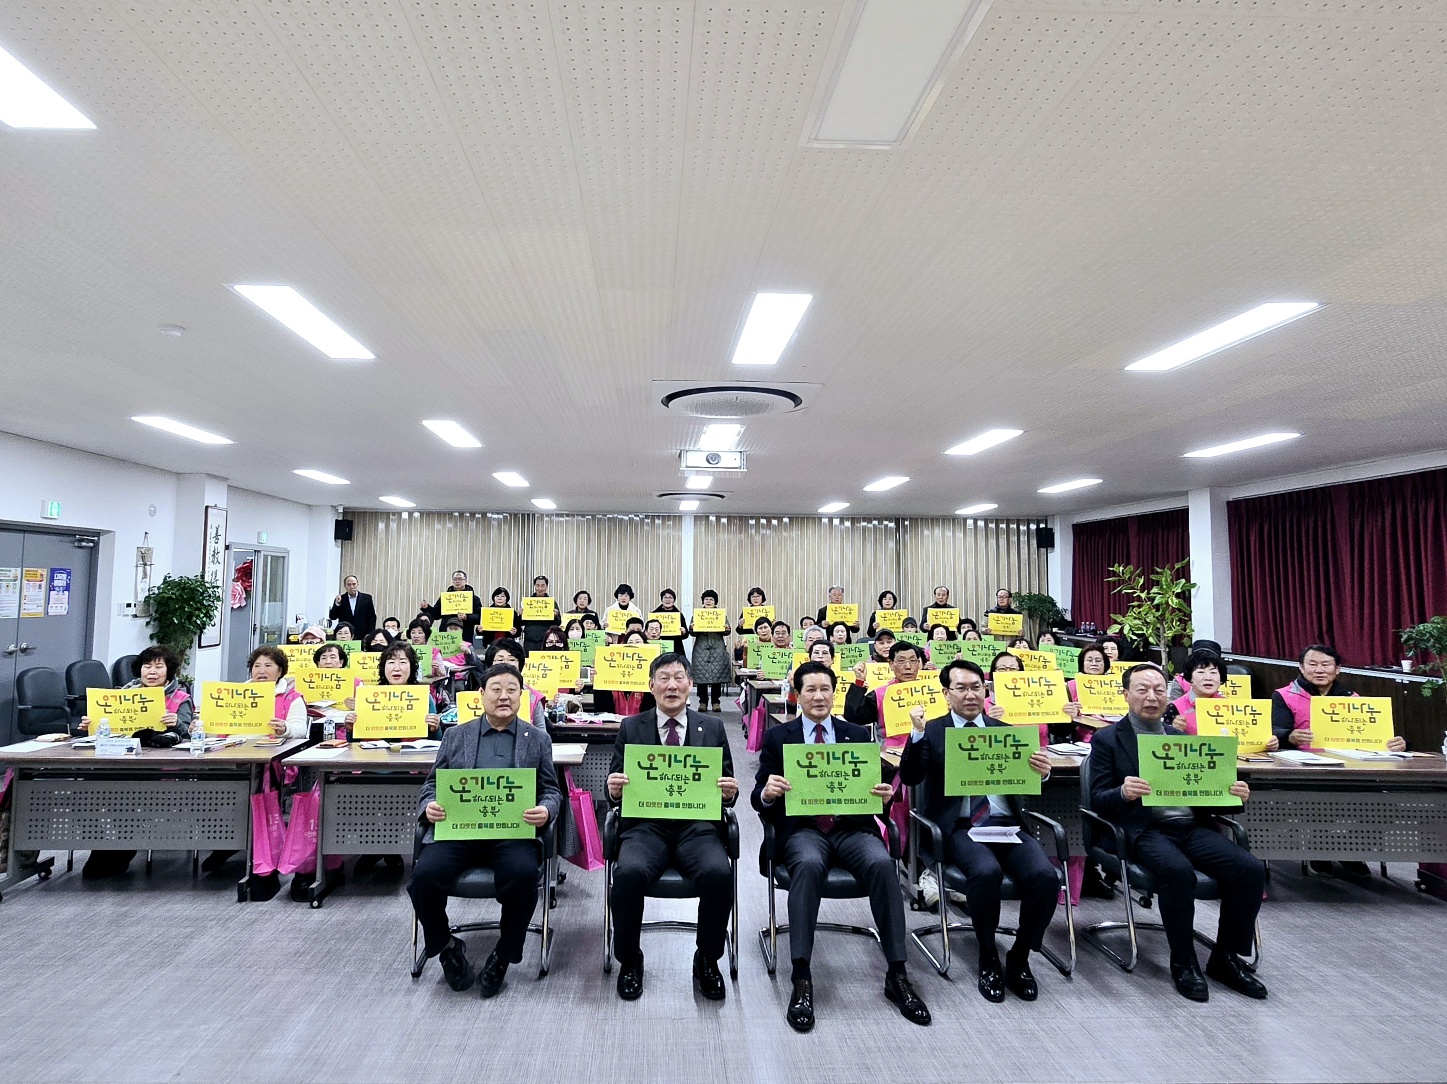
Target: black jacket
819 620
923 761
704 731
1113 756
675 642
469 620
363 622
535 631
771 762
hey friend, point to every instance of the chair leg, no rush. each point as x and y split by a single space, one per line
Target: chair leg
941 963
734 922
1092 932
769 936
545 959
1065 968
608 918
419 958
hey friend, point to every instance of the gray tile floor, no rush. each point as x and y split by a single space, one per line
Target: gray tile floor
166 978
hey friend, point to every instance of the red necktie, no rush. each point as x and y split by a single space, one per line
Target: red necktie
823 823
672 732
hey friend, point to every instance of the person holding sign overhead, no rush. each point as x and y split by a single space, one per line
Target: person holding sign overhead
808 844
1175 841
494 742
355 608
469 608
984 863
545 614
711 668
836 598
648 846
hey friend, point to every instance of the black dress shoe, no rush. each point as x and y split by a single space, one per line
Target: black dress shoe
1359 871
911 1005
707 979
1190 983
489 979
366 864
455 968
630 980
1226 969
102 865
1093 886
393 863
992 981
301 887
263 886
215 860
1019 981
801 1006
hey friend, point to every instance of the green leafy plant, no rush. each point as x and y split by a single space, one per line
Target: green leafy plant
180 607
1427 642
1044 612
1159 607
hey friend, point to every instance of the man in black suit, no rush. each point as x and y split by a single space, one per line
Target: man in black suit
809 845
355 609
984 864
647 847
1175 841
470 620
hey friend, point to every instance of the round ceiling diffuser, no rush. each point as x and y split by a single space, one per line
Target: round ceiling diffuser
691 495
731 401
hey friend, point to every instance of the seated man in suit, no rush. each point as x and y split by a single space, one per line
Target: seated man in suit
648 847
492 742
810 845
984 864
1175 841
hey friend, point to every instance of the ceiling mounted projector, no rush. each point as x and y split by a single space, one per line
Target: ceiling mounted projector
698 459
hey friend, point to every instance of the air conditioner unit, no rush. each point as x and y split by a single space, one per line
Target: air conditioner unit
697 459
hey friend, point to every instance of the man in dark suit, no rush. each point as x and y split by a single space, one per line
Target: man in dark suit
809 845
470 620
355 609
1175 841
498 740
984 864
647 847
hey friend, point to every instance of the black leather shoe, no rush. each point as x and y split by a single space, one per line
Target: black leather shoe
1190 983
707 979
630 980
1226 969
1357 871
911 1005
215 860
489 979
263 886
366 864
102 865
1019 980
992 981
801 1006
393 863
301 887
455 968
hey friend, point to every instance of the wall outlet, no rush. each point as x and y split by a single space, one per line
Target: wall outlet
127 609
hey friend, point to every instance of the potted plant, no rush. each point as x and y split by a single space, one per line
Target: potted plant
1428 642
1043 611
180 607
1159 607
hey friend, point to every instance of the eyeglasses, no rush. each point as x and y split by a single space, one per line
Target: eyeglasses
976 688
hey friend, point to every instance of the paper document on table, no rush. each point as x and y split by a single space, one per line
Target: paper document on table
1367 754
1070 748
995 833
25 747
323 754
1309 760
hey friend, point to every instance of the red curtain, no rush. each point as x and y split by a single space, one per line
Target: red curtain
1151 541
1347 565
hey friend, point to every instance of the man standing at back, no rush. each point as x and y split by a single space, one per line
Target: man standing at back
355 608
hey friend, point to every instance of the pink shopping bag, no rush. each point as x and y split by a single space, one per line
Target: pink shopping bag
266 828
758 723
299 849
590 842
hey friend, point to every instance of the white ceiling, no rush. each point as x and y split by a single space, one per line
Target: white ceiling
530 211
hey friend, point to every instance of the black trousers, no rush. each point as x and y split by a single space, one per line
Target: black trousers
808 854
985 865
696 850
710 692
1173 851
514 864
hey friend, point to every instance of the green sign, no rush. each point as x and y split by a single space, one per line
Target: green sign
912 637
851 655
775 661
673 784
486 804
348 646
1187 770
448 643
991 760
942 652
754 646
588 646
831 780
980 652
799 639
1067 658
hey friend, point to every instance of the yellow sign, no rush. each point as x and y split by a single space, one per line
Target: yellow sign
1249 721
1004 624
1034 660
877 674
237 707
671 621
365 667
848 612
496 618
1351 722
890 619
127 710
1237 687
841 690
334 685
948 616
800 658
391 711
623 667
299 656
539 608
901 698
549 671
1031 696
568 619
710 620
618 621
753 613
1100 694
456 602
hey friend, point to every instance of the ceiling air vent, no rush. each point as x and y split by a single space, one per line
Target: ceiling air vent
732 401
691 495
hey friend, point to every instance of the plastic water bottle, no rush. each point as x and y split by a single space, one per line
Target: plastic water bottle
329 729
198 738
103 729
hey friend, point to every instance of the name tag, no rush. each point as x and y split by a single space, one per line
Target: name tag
118 747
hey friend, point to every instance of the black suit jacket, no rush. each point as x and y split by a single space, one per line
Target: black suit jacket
1114 754
923 761
363 622
771 762
469 620
704 731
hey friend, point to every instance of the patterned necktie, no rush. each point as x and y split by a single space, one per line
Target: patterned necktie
672 733
819 734
979 809
823 823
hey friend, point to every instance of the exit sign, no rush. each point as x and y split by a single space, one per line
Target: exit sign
49 509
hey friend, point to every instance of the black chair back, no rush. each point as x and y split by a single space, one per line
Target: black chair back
123 670
87 674
1087 827
40 706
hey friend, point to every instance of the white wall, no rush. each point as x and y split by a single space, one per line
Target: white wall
311 584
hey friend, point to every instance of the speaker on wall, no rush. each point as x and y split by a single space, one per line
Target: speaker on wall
342 530
1045 537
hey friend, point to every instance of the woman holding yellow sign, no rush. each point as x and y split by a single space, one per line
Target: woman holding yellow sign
711 670
499 621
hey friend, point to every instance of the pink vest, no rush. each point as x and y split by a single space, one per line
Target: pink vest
176 699
284 701
1186 717
899 740
1299 701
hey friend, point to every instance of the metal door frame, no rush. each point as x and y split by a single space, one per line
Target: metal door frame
254 548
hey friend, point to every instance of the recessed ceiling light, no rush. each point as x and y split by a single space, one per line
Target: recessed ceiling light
771 323
832 507
887 482
453 433
322 476
397 502
1240 445
545 503
688 506
287 307
27 102
719 437
699 481
511 478
1229 333
988 439
181 429
1066 487
171 331
975 509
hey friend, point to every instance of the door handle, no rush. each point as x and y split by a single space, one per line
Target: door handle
27 649
12 649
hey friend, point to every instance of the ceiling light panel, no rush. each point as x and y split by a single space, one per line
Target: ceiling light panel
453 434
1227 333
988 439
1240 445
771 323
284 305
26 101
887 482
699 481
511 478
719 437
322 476
398 502
547 504
976 509
1067 487
832 507
180 429
688 506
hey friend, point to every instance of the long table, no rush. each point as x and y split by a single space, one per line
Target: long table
163 799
